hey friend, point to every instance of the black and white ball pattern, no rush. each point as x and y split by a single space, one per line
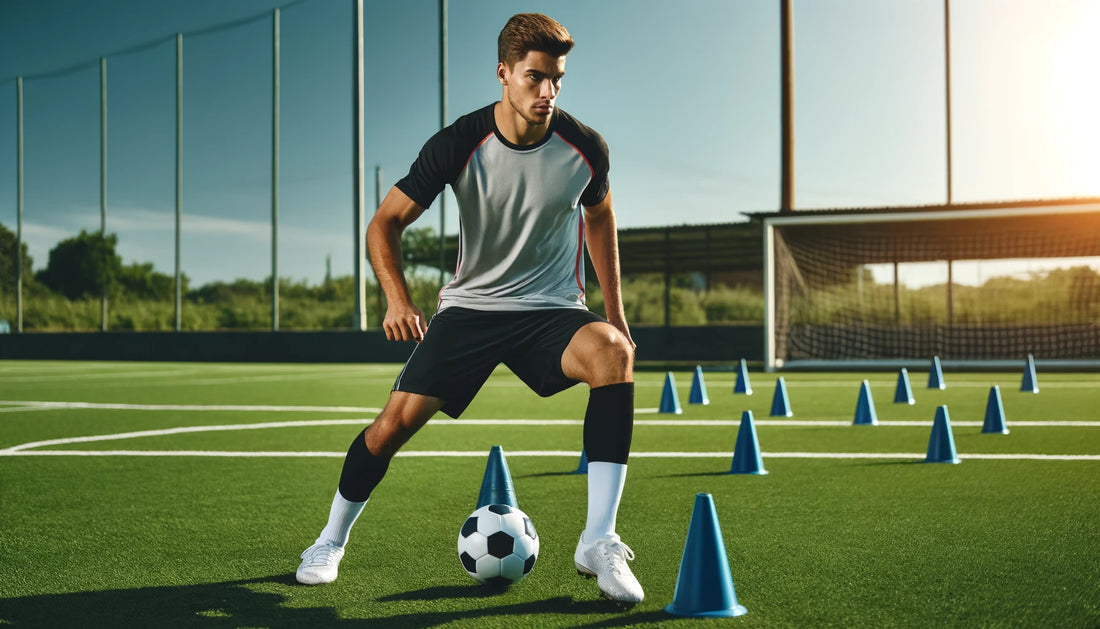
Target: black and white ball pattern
498 545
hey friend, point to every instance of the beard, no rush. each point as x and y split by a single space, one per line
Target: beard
532 118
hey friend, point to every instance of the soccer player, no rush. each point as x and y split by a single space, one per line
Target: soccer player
532 189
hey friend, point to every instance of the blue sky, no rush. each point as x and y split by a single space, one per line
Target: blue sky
686 94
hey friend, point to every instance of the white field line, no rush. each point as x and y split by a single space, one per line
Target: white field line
207 377
193 407
542 453
22 409
1005 388
88 375
27 405
29 449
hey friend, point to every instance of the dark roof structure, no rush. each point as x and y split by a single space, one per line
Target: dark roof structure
1042 228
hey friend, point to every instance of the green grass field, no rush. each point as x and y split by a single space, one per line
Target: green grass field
153 527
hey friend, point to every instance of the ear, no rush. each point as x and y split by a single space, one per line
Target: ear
502 74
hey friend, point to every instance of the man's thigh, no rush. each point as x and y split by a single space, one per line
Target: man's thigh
539 341
459 351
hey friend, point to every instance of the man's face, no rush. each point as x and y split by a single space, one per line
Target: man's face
531 86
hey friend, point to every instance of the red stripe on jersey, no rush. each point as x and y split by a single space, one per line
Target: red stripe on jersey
580 252
591 170
483 141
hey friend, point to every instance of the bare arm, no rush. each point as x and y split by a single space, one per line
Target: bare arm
403 321
603 248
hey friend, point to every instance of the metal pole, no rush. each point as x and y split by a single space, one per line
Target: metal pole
19 204
179 178
770 363
786 52
103 177
947 75
378 202
442 124
358 192
275 173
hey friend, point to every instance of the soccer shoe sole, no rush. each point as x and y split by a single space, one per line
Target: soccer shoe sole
588 574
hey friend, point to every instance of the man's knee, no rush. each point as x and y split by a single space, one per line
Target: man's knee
600 355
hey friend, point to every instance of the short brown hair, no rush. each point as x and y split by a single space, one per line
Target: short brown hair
525 32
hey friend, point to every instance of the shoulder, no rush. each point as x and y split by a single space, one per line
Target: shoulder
586 139
466 131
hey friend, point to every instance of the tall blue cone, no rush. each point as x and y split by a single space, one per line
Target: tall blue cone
904 392
746 453
865 407
935 375
781 406
670 401
704 586
496 487
1030 383
582 467
995 413
743 385
941 443
698 388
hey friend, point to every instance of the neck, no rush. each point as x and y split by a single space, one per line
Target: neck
515 128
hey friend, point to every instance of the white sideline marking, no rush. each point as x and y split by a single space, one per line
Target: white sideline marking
97 375
544 453
194 407
31 405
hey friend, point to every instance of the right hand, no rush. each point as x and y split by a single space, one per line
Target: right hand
404 323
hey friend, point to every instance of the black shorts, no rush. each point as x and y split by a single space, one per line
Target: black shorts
463 346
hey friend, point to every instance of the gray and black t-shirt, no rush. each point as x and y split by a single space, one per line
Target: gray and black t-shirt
521 209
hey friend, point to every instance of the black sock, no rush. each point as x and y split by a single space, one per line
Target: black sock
609 423
362 471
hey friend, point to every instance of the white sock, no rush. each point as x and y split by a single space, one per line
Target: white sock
605 489
341 517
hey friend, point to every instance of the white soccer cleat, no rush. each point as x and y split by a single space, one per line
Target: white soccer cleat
606 560
319 564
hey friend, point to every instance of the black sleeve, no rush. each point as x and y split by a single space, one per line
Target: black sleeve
598 188
444 155
594 149
430 172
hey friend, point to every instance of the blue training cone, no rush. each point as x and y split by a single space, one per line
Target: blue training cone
746 453
743 385
582 467
1030 383
941 444
670 401
995 413
865 407
704 586
781 405
698 388
935 375
496 487
904 392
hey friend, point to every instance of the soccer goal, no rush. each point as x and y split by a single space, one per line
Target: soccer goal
987 282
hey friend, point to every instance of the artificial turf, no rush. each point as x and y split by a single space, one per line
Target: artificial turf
212 541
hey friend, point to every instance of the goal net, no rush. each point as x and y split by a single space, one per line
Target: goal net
988 282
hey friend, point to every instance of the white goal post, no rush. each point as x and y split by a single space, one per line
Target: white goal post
833 297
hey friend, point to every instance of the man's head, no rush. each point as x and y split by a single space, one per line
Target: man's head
531 50
525 32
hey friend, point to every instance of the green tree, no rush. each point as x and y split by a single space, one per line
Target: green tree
8 262
85 265
140 281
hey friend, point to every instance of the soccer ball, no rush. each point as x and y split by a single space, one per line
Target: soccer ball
498 545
